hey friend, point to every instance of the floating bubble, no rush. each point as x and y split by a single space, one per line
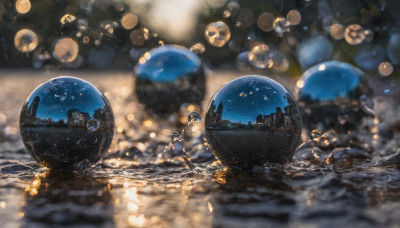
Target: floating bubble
259 56
314 50
26 40
176 137
93 125
65 50
227 13
266 22
86 39
393 48
198 48
233 6
129 21
369 35
385 69
369 56
82 24
137 37
281 25
23 6
354 34
194 118
67 18
217 33
244 129
293 17
337 31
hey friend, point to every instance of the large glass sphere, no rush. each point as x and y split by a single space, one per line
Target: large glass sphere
167 77
329 95
66 122
253 120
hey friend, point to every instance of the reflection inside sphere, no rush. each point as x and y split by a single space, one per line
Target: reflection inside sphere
253 120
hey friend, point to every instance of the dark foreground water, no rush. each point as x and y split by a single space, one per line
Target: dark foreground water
335 180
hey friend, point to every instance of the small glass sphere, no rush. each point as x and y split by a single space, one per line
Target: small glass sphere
167 77
217 33
26 40
66 121
253 120
329 95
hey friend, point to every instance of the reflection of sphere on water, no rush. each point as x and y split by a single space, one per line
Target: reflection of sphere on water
167 77
329 93
253 120
217 33
66 121
65 50
26 40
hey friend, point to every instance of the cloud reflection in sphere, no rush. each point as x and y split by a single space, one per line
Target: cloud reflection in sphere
253 120
167 77
329 95
66 122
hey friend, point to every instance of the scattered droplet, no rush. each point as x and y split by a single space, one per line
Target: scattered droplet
337 31
67 18
217 33
354 34
93 125
194 118
129 21
23 6
293 17
176 137
198 48
281 25
65 50
26 40
385 68
266 22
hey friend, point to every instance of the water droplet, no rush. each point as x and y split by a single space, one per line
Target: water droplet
385 68
294 17
281 25
198 48
259 56
337 31
217 33
176 137
93 125
26 40
129 21
67 18
65 50
354 34
265 22
194 118
23 6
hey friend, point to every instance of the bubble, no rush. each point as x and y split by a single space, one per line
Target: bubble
259 56
194 118
217 33
176 137
281 25
93 125
26 40
314 50
245 18
67 18
198 48
393 48
369 35
354 34
369 56
23 6
294 17
266 22
82 24
65 50
137 37
233 6
385 69
85 39
337 31
129 21
227 13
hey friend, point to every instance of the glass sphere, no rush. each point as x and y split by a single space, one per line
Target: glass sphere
66 122
167 77
253 120
329 95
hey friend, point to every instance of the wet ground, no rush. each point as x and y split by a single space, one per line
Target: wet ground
335 180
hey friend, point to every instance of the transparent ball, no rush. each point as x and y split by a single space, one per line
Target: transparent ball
66 122
167 77
329 95
253 120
